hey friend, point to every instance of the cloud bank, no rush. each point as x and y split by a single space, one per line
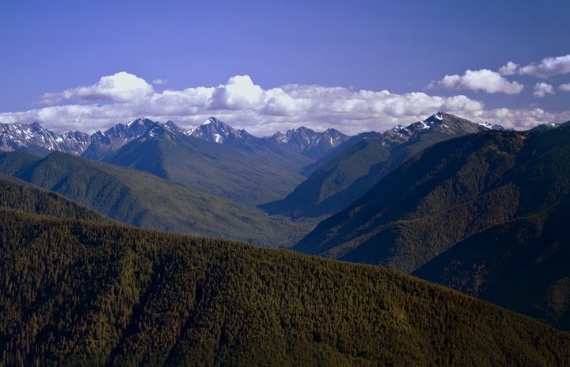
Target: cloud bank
122 97
481 80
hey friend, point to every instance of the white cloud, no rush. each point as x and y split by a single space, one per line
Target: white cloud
119 87
564 87
159 81
237 94
509 69
479 80
542 89
245 105
548 67
520 119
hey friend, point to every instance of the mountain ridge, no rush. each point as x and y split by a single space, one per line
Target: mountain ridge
340 181
477 213
105 295
34 138
145 200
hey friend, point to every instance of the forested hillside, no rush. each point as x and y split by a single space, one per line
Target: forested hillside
18 195
342 180
439 197
79 293
521 265
148 201
487 211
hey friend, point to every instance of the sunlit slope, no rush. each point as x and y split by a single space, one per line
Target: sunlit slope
79 293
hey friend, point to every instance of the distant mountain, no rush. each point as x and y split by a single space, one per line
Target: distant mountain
406 219
480 213
79 293
32 138
244 176
308 142
342 180
104 144
217 131
295 142
338 150
148 201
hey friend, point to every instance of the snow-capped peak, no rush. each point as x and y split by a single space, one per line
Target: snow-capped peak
217 131
139 121
210 120
34 137
490 126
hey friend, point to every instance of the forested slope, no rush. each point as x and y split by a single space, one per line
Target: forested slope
486 214
79 293
144 200
19 195
341 181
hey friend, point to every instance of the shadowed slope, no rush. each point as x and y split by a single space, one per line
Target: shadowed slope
341 181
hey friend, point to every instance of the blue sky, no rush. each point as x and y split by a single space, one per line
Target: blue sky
274 65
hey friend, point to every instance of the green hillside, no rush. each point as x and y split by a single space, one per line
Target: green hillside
247 177
341 181
485 212
78 293
18 195
310 197
521 265
148 201
439 197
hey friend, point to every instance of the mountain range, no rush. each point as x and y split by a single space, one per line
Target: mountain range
356 168
234 164
79 291
144 200
420 199
33 138
213 157
481 213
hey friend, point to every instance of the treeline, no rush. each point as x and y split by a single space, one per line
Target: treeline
81 293
22 196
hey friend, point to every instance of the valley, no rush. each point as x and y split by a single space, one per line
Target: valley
477 209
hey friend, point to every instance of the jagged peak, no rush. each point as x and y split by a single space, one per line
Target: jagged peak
140 121
211 120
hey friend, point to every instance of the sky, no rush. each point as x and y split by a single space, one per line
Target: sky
268 66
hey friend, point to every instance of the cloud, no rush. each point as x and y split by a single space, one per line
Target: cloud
564 87
509 69
119 87
245 105
542 89
480 80
547 67
520 119
159 81
237 94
